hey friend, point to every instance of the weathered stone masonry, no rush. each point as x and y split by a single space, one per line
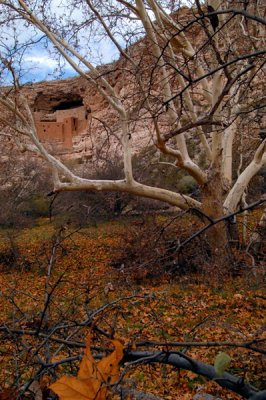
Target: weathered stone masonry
62 125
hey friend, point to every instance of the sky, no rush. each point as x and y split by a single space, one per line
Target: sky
37 63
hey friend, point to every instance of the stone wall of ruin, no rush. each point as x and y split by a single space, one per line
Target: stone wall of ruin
62 125
79 113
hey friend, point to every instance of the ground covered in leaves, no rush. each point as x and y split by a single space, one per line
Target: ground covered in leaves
61 276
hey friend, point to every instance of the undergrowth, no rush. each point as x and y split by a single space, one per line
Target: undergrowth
131 277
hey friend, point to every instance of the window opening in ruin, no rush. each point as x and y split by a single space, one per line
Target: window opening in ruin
87 113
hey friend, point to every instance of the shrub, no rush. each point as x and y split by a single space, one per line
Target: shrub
36 206
11 257
150 247
187 184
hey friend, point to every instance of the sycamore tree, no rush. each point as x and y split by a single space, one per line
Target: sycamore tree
195 74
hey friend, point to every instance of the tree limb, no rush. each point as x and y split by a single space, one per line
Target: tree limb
216 221
179 361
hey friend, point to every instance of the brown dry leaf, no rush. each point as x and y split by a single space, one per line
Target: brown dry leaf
68 388
191 375
8 394
186 396
93 378
108 288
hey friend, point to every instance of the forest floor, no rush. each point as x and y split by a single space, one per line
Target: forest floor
81 280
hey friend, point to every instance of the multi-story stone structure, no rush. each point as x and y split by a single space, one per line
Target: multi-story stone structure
62 125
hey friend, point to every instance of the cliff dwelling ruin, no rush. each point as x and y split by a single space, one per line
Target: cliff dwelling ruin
59 120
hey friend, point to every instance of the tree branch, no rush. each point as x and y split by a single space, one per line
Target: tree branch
216 221
178 360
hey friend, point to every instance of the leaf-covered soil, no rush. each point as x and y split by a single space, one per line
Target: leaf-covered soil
144 314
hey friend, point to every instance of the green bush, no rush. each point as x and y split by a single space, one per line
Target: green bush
187 184
36 206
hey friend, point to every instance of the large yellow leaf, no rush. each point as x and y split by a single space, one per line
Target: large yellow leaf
93 378
87 365
68 388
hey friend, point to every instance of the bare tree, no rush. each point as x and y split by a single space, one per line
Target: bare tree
194 73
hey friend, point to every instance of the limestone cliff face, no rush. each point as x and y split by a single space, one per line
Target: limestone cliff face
73 119
75 122
62 113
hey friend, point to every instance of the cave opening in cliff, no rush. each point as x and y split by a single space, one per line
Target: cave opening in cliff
68 104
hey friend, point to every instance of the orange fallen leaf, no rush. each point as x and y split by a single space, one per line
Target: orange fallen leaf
93 378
